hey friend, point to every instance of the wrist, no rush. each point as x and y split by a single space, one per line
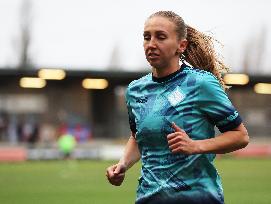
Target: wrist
123 164
199 147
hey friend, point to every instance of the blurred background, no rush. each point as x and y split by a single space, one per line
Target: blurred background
65 66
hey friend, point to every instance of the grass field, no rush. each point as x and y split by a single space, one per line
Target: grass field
245 181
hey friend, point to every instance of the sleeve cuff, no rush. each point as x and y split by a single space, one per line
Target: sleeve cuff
132 126
231 125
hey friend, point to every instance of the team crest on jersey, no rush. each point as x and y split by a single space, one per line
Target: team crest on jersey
176 97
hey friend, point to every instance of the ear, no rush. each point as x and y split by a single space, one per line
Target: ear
182 46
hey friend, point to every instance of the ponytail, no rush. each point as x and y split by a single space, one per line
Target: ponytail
200 53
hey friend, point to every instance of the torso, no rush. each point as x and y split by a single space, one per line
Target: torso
155 105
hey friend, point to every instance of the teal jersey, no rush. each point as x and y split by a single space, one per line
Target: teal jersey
196 102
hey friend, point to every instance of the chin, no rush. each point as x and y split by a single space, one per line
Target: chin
155 65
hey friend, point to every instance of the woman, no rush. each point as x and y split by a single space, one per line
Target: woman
172 114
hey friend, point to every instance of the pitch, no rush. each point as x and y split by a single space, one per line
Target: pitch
245 181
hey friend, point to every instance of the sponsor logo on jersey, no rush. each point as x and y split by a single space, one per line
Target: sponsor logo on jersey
228 119
143 99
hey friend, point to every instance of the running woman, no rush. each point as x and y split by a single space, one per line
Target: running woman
172 115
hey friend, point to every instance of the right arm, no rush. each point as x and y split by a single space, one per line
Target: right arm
131 153
116 173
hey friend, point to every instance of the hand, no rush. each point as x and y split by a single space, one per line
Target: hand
116 173
180 142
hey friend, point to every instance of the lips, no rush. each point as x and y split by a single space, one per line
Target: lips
152 55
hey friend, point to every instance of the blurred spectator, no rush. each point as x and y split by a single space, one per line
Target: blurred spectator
3 126
34 134
80 132
47 134
28 132
66 144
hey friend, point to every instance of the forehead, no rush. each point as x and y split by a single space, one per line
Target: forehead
159 23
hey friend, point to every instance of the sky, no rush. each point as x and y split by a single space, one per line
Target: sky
87 34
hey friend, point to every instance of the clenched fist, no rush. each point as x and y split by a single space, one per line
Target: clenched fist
116 173
180 142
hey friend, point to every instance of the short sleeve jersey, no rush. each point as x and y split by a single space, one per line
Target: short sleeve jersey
195 101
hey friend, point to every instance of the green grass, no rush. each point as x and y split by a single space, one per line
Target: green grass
245 181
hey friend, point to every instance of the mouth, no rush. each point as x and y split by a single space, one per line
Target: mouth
152 55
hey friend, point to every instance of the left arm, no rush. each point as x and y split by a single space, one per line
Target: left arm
213 102
229 141
226 142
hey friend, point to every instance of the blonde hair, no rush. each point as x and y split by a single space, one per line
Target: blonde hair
200 51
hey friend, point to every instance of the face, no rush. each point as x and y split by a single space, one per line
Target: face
161 44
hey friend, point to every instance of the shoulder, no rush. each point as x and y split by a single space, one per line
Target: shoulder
136 84
198 73
204 78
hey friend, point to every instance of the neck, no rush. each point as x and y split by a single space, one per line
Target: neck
162 72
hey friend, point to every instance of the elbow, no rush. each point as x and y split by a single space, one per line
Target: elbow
245 139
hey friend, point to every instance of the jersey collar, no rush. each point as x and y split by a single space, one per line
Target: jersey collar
170 76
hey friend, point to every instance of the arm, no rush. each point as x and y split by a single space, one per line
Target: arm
180 142
131 153
116 173
226 142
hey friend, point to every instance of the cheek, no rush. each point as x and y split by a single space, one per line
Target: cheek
173 48
144 46
170 50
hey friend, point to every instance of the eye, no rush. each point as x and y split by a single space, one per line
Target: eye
161 37
147 37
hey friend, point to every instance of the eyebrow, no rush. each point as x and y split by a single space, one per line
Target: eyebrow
161 32
158 32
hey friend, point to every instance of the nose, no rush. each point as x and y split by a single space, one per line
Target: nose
152 43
